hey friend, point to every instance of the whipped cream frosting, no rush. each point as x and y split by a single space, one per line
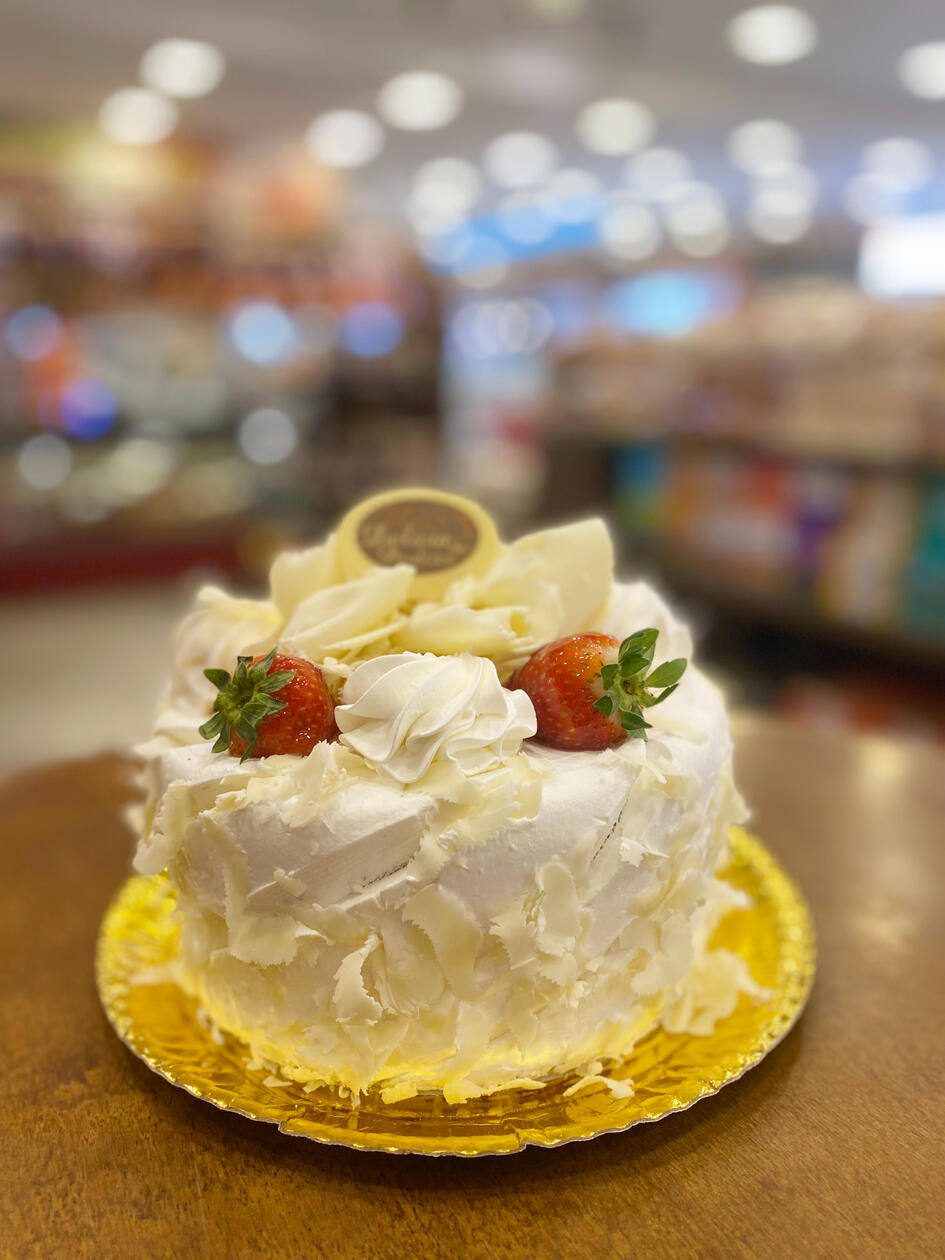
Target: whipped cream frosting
402 711
437 901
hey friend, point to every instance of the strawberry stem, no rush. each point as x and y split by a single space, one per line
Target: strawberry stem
245 700
629 683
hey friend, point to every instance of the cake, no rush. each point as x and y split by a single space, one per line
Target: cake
433 899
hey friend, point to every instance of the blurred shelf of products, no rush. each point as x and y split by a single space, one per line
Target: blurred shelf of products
207 353
198 363
784 469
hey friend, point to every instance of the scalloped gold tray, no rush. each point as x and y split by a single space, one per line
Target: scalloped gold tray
670 1072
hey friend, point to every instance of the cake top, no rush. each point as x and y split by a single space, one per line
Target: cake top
417 638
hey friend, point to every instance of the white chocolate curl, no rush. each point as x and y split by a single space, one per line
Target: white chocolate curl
403 712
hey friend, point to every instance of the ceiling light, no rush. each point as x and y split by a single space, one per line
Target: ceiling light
656 170
519 159
922 71
447 184
698 223
182 67
572 195
778 215
904 164
758 146
442 195
772 34
137 116
420 100
630 230
344 138
615 126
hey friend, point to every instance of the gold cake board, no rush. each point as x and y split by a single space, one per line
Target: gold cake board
669 1072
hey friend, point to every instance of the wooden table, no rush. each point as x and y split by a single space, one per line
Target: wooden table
833 1147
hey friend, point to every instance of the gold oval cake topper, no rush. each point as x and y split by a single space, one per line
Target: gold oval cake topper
430 536
443 536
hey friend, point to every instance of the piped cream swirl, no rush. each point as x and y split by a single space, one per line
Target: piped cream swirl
403 712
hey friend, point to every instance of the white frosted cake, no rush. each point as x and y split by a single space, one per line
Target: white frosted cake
432 898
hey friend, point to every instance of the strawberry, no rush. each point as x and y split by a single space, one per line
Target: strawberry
272 704
590 690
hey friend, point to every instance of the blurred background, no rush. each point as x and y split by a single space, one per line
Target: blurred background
677 262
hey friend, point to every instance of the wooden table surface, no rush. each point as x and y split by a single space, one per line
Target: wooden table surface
832 1147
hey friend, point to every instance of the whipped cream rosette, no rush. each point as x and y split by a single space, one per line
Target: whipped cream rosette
403 712
436 900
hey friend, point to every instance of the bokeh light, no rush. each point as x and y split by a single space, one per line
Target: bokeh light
344 138
519 159
483 263
420 100
667 303
614 126
263 333
493 328
88 409
446 248
922 70
630 230
182 67
267 436
442 193
772 34
33 332
523 217
370 330
779 216
44 461
698 222
870 198
139 466
572 195
764 144
799 181
905 164
654 172
137 116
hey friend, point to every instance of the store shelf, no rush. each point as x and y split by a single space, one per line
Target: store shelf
856 461
783 611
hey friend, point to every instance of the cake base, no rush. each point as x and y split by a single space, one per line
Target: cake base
159 1023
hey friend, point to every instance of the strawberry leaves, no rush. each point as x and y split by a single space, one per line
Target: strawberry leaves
245 699
630 686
